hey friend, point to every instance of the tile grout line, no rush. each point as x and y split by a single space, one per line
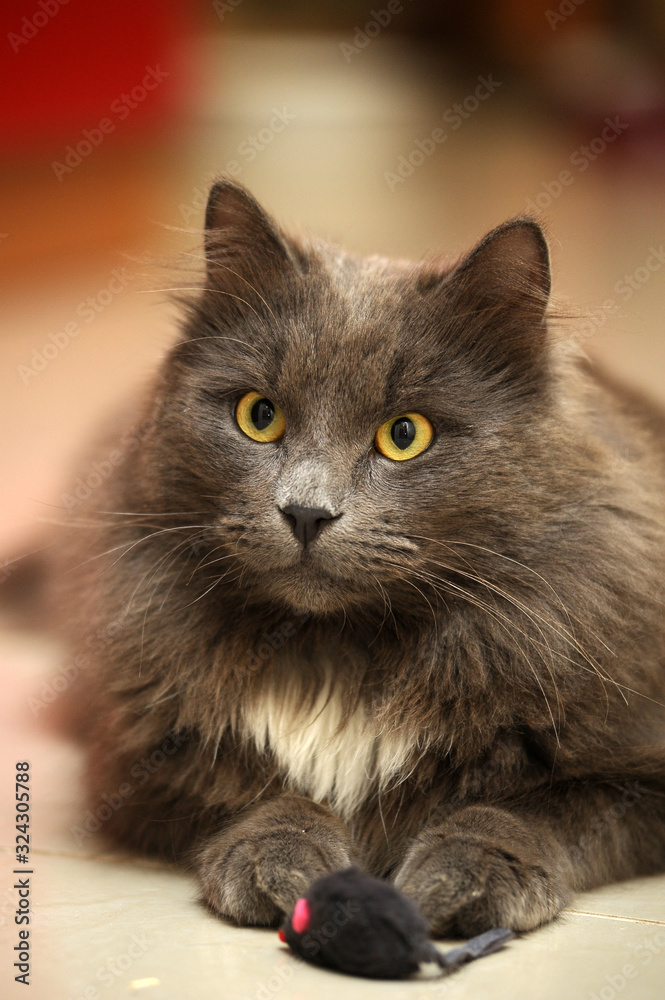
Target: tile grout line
115 858
614 916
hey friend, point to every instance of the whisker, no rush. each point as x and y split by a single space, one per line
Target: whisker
557 626
233 340
138 541
533 616
529 569
252 287
387 607
205 592
498 616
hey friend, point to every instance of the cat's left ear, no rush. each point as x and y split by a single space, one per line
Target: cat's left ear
508 272
494 303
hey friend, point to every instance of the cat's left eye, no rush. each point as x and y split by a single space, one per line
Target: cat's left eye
404 437
259 418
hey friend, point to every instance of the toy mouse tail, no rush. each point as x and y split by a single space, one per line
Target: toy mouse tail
476 947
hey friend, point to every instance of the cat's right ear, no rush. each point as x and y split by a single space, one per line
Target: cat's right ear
246 253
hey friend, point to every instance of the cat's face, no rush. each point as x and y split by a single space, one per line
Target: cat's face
345 422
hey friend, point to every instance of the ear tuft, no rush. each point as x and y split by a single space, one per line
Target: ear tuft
510 268
245 249
493 304
231 209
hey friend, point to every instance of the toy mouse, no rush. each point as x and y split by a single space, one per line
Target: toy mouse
361 925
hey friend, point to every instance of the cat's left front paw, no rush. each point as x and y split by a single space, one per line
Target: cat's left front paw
483 869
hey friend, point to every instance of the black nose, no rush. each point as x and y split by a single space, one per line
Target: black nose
306 521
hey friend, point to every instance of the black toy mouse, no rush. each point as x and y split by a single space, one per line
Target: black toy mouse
361 925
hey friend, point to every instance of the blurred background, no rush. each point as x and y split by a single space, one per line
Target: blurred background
393 127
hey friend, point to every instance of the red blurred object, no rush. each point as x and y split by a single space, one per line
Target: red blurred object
69 64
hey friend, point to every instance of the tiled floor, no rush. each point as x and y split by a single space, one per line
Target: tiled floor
107 927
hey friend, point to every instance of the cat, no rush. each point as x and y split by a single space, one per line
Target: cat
379 582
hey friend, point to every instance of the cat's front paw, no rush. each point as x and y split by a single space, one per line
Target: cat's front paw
254 871
484 869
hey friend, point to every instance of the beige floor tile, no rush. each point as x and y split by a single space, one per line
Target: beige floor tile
638 899
107 926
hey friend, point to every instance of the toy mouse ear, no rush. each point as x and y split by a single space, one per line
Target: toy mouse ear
300 916
245 250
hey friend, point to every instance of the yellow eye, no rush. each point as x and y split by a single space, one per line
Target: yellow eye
404 437
260 419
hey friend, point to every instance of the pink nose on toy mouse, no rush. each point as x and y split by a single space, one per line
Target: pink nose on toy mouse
300 918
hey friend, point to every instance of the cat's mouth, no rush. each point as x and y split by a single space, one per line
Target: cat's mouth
313 578
310 584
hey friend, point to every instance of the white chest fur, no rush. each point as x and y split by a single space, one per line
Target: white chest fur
342 766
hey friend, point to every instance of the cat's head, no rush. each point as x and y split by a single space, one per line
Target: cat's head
348 424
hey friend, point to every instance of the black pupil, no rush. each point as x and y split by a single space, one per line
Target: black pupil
403 433
263 414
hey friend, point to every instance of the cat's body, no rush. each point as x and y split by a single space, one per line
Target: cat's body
448 669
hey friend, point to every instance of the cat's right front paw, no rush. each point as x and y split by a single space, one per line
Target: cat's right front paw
255 871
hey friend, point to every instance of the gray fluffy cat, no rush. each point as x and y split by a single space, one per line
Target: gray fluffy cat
381 584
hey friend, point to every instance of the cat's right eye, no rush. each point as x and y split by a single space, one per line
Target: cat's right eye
259 418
